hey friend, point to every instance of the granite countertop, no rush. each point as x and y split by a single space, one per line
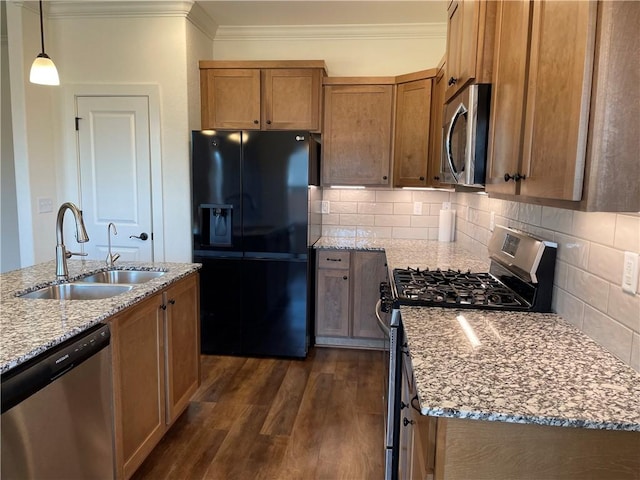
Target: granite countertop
30 326
529 367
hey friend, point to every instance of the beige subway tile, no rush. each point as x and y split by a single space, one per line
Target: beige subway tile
393 196
433 234
531 214
375 208
610 334
627 234
635 352
334 231
557 219
343 207
357 195
595 226
331 219
403 208
424 221
374 232
560 275
572 250
331 194
430 196
592 290
356 219
568 307
410 233
605 262
392 220
624 307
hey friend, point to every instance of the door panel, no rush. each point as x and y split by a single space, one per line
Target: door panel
115 175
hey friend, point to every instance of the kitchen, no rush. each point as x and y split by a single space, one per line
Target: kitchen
590 266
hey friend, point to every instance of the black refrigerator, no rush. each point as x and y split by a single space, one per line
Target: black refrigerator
252 196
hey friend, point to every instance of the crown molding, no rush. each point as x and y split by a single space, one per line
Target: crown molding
334 32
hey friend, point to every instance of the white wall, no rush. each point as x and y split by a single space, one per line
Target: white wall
347 50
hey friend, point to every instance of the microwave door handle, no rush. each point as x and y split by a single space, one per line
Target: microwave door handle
381 324
461 110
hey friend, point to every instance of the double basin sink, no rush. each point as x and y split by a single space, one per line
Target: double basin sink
95 286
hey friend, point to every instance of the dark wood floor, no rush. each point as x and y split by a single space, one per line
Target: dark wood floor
319 418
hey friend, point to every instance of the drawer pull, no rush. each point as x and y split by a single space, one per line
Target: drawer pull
334 259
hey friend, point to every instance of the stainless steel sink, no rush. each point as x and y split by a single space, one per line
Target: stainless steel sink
74 291
122 276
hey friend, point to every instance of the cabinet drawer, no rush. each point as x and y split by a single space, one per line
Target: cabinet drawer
333 259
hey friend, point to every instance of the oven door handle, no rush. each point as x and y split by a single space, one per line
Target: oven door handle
381 324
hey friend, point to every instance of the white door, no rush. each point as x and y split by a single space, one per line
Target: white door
115 175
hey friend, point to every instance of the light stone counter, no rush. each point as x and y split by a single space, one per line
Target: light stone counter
529 368
30 326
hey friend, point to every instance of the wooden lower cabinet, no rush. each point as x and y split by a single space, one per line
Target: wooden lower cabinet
347 289
453 448
155 366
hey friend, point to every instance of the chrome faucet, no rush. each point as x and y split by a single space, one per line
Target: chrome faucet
111 258
62 273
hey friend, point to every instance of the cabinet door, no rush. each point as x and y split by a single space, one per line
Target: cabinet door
462 43
357 134
369 269
291 99
230 99
332 303
508 95
182 344
138 383
411 149
439 85
558 99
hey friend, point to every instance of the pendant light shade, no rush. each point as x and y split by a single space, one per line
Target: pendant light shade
43 70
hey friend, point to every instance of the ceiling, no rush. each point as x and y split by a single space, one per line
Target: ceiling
327 12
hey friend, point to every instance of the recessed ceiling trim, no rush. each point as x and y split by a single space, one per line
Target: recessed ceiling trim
149 8
321 32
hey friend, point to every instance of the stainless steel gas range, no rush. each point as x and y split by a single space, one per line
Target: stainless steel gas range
520 277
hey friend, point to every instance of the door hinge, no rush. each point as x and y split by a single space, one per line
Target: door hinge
78 122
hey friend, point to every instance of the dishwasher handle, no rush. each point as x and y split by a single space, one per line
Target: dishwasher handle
25 380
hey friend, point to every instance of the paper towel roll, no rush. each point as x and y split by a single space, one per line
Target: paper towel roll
446 226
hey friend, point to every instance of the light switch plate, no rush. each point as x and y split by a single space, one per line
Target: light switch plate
417 208
45 204
630 273
324 206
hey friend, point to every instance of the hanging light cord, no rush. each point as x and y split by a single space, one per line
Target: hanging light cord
41 27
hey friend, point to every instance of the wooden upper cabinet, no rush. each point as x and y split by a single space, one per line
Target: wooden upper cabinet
508 95
291 99
230 99
411 148
470 42
565 104
358 124
438 88
261 95
558 99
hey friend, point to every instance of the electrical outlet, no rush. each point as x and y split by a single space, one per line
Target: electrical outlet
45 205
417 208
446 205
324 206
492 221
630 273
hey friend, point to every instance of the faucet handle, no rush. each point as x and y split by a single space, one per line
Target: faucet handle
70 254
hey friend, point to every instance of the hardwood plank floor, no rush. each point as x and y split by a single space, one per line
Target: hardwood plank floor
279 419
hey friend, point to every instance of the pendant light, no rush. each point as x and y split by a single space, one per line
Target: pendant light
43 70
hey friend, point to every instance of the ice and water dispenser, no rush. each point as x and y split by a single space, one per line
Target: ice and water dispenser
217 224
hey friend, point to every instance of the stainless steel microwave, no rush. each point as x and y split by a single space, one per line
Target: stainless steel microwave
465 136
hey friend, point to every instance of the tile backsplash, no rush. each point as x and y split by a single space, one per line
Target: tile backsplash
591 246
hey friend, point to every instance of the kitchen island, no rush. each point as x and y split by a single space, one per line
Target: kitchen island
31 326
491 407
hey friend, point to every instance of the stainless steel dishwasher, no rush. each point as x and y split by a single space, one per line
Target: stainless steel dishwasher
57 415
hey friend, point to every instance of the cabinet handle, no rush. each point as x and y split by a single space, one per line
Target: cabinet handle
172 302
384 178
406 421
452 81
436 178
163 306
256 122
334 259
421 179
268 122
515 177
345 277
